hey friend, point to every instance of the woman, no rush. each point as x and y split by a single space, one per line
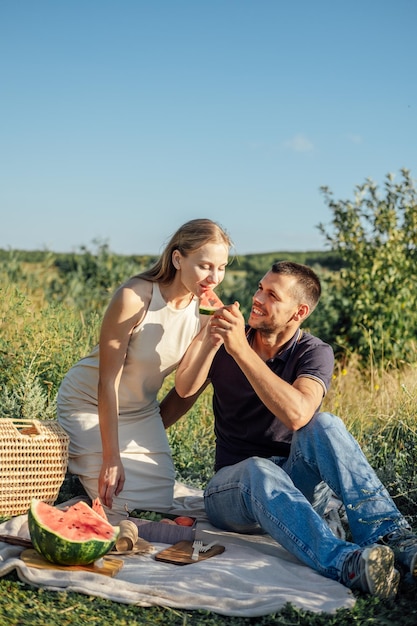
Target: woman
108 403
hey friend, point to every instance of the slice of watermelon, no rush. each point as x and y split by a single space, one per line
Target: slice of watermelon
75 536
98 508
209 302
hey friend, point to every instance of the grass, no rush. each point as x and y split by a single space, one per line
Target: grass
39 343
21 604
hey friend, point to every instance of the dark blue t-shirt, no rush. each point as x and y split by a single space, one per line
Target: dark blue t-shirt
244 427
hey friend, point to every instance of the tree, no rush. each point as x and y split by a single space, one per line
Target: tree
371 303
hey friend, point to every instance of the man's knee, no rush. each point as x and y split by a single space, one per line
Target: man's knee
323 429
256 466
321 422
251 471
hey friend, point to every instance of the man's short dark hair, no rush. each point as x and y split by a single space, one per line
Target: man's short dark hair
308 287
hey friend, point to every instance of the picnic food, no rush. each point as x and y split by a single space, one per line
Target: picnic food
151 516
154 516
209 302
183 520
98 508
75 536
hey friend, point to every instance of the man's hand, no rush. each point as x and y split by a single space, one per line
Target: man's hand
228 326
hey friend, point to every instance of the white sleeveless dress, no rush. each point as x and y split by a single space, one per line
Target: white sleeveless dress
155 349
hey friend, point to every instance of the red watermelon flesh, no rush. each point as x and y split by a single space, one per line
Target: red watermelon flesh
98 508
209 302
76 536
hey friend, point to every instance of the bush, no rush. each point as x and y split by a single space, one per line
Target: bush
372 303
38 344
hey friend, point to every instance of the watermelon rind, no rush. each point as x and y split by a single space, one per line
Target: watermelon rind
206 310
61 551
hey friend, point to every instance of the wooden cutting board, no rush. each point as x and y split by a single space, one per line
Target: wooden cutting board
180 553
110 565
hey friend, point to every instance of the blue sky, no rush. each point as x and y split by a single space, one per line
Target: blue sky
122 119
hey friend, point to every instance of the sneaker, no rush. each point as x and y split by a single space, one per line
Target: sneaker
404 545
372 571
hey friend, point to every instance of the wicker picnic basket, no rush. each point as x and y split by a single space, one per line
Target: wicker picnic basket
33 463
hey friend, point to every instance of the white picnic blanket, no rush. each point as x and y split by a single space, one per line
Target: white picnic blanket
254 576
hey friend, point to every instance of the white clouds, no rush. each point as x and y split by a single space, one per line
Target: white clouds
299 143
354 138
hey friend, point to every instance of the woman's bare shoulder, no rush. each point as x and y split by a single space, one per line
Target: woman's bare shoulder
133 298
138 287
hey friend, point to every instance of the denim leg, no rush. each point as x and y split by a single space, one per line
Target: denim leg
324 450
257 493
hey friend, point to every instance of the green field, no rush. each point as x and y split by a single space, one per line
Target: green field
50 311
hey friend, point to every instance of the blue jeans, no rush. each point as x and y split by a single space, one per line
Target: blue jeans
284 497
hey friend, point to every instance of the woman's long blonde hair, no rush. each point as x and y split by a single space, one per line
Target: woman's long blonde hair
188 238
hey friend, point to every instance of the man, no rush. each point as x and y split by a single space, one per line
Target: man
278 458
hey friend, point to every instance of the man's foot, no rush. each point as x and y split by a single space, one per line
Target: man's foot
404 545
372 571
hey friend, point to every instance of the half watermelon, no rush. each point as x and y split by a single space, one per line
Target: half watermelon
75 536
209 302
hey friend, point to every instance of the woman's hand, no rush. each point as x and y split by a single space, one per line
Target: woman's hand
111 481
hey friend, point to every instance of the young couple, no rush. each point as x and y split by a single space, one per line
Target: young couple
278 458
